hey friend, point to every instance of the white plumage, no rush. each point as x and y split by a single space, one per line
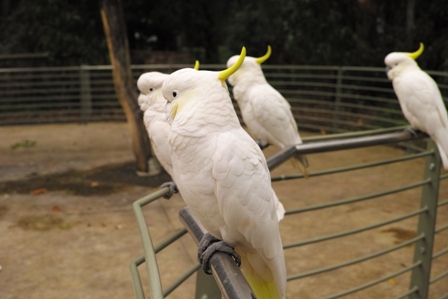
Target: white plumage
420 98
266 113
153 104
223 177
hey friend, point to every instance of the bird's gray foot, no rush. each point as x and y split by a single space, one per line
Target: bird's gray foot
261 144
173 189
208 246
412 131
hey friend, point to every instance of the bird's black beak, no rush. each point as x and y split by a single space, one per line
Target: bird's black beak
388 68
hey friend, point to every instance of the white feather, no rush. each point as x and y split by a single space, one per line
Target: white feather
222 174
420 100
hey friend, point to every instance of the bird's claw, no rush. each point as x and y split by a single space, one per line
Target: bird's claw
208 246
261 144
173 189
412 131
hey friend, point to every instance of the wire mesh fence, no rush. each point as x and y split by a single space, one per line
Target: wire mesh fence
323 98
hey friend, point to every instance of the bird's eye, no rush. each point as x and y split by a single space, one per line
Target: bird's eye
396 63
151 89
174 94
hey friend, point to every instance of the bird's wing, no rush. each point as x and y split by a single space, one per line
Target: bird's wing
159 130
248 206
423 100
273 114
244 192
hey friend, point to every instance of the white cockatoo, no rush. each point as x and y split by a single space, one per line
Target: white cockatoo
420 98
223 177
153 105
266 113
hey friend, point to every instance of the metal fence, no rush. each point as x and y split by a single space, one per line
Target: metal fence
228 276
323 98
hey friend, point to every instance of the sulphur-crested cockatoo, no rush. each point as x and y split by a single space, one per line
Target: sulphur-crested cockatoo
153 105
420 98
266 113
223 177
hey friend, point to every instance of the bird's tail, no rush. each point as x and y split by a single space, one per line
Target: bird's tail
260 278
301 163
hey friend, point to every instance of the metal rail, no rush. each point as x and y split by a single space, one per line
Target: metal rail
228 276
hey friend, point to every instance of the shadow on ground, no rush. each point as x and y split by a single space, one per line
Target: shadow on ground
99 181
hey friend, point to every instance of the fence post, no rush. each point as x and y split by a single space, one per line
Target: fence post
85 94
426 225
337 100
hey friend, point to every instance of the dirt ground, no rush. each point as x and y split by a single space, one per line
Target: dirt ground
68 230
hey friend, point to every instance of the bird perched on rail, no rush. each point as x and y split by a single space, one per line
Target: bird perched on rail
266 113
153 104
420 98
223 177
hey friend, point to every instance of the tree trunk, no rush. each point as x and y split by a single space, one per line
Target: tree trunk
117 42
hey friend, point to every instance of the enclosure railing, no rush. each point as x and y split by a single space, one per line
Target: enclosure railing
323 98
423 255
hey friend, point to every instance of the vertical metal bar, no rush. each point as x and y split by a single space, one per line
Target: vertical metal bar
85 94
206 287
337 100
426 225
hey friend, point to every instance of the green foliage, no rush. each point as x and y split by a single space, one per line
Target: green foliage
71 31
314 32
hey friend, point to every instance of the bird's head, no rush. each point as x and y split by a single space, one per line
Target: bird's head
397 62
187 86
150 87
251 66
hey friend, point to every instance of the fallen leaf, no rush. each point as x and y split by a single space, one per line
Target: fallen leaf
323 132
39 191
94 184
56 209
392 281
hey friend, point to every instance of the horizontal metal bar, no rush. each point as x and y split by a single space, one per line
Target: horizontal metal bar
445 296
227 274
170 239
444 177
355 167
300 76
374 282
301 67
440 253
352 134
354 231
439 277
348 113
411 291
136 280
442 228
368 79
334 145
356 199
367 88
190 271
355 261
